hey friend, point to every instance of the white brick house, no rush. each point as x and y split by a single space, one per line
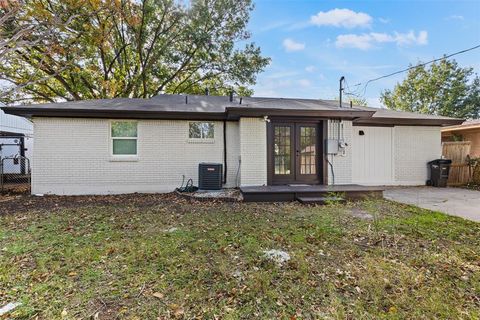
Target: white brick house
151 145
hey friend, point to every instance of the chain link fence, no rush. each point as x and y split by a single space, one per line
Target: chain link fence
15 175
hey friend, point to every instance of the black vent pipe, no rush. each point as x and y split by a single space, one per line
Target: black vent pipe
342 79
224 151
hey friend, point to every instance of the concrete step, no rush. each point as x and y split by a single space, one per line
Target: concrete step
320 200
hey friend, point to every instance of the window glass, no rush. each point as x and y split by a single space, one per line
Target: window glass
195 131
124 129
124 137
282 152
201 130
124 146
208 130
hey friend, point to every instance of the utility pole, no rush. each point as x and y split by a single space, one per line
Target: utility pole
342 79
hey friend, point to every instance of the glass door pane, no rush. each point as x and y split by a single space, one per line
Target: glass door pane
307 150
282 153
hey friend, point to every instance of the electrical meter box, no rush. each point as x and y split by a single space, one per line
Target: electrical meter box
332 146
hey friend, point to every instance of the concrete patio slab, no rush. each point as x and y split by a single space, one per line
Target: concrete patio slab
454 201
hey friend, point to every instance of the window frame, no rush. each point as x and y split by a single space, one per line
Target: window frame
123 157
201 139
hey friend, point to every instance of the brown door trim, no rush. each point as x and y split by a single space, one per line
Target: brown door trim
324 153
294 177
284 179
307 178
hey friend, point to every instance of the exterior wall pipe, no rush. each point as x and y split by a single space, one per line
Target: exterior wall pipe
224 151
341 90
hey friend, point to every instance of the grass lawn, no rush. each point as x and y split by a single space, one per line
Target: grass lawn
158 257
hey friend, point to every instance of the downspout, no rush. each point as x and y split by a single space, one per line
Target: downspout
332 155
224 151
331 169
338 130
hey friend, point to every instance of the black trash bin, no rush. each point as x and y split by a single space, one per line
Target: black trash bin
439 170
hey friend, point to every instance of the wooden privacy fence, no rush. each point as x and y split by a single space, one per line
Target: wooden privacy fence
458 152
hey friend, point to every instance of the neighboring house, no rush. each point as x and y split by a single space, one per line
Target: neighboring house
467 131
16 139
148 145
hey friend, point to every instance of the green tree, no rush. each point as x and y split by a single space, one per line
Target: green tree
358 101
444 89
355 100
126 48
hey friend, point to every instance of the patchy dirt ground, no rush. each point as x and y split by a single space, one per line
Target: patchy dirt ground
16 203
163 257
472 186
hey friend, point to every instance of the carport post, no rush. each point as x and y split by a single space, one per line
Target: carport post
1 175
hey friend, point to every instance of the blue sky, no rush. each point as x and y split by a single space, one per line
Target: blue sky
313 43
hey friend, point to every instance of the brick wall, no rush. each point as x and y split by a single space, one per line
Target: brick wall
342 162
414 146
72 156
253 151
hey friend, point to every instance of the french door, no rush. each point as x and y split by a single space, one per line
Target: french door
295 153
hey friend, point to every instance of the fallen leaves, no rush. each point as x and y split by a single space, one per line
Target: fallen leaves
158 295
119 251
177 310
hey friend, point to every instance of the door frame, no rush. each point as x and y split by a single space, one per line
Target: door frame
322 129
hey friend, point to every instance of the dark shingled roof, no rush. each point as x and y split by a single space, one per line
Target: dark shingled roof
166 106
467 125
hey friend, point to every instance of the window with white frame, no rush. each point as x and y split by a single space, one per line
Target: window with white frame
124 138
201 130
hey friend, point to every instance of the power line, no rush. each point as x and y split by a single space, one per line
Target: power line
416 66
350 92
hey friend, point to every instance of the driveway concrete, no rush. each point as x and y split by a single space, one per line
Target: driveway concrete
454 201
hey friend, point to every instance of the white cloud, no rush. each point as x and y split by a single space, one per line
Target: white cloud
410 38
375 103
368 40
310 69
455 17
341 18
384 20
362 42
304 83
291 45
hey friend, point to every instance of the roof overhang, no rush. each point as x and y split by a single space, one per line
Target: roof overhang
30 112
359 117
406 121
461 128
237 112
231 113
9 134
